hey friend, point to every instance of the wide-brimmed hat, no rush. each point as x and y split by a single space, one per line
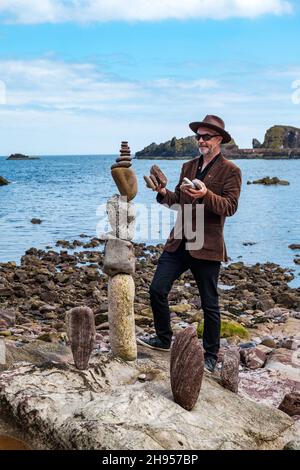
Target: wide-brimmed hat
215 123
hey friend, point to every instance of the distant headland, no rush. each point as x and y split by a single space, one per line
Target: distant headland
280 142
20 156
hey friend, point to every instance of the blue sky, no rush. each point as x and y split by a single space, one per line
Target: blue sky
80 76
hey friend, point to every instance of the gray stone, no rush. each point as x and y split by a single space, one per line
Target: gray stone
2 352
292 445
118 257
121 216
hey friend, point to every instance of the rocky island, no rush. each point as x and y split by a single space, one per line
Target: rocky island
20 156
3 181
280 142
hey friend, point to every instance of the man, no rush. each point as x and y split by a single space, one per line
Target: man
219 195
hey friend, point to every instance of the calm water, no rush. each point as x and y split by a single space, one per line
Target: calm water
65 192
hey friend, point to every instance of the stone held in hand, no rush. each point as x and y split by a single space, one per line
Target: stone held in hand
198 184
187 367
159 175
230 370
188 183
149 182
81 332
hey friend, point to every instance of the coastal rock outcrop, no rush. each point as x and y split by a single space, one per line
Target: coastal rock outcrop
3 181
20 156
108 407
279 142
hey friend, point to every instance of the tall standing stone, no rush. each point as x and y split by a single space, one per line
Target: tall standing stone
121 291
81 332
119 259
187 367
230 370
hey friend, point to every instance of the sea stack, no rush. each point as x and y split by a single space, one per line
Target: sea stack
119 259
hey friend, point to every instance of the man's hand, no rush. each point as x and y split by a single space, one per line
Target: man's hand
194 193
159 189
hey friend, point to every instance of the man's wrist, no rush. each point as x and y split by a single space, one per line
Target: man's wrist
162 192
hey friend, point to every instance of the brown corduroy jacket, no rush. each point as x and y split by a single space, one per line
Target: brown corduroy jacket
223 181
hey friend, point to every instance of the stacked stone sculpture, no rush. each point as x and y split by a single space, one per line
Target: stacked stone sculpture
123 175
230 370
157 177
81 332
119 259
187 367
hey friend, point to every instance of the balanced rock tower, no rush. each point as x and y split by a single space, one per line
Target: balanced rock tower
119 259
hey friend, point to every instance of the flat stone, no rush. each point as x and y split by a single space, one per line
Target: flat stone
7 318
121 164
126 181
187 366
159 175
253 358
81 333
285 361
230 370
118 257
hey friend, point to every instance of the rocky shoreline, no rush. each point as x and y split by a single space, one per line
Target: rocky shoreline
260 312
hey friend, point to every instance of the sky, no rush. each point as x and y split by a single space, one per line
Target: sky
79 76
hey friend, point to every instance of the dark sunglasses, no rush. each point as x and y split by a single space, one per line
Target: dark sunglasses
205 137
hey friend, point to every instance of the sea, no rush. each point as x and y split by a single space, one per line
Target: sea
69 193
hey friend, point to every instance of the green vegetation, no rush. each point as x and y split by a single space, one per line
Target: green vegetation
228 328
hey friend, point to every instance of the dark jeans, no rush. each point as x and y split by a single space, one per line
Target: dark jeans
206 273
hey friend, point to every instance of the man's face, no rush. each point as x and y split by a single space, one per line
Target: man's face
210 146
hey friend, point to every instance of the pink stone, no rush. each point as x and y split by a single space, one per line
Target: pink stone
253 358
81 333
291 404
187 366
230 370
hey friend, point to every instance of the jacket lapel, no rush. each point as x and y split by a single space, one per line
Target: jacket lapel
209 177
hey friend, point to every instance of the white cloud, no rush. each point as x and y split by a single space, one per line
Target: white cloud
77 87
81 11
69 107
